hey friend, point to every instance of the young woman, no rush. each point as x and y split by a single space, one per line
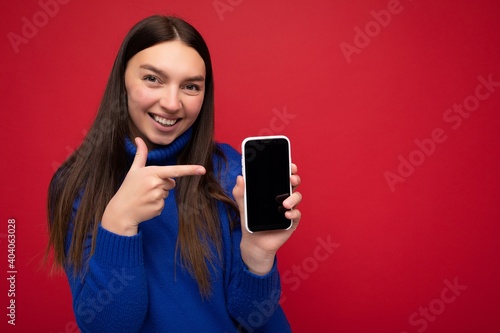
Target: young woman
144 216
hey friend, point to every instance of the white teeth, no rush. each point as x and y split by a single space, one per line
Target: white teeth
163 121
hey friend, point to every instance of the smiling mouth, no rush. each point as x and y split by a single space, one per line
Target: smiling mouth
163 121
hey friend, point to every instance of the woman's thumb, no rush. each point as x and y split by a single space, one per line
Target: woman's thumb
141 155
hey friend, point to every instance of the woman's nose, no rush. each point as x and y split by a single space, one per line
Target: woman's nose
170 100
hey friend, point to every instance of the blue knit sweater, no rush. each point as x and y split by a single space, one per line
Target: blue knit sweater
134 284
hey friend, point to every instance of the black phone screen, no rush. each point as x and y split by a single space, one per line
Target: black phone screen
267 176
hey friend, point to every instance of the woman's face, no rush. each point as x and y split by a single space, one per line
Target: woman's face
165 86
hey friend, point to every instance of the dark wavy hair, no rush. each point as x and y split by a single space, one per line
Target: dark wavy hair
96 169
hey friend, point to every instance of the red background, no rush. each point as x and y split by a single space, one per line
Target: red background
349 120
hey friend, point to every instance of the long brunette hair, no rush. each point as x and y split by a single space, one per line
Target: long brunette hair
96 169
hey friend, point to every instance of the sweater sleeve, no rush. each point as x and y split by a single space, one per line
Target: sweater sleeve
252 300
110 294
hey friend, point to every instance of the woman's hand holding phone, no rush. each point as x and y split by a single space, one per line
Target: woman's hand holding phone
258 249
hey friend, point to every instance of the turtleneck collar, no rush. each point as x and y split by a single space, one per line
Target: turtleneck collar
162 155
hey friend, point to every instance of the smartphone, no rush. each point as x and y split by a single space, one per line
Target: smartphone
266 170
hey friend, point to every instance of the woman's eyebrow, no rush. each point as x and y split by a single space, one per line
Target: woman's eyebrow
195 78
162 73
153 69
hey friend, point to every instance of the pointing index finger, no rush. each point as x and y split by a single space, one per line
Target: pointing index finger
174 171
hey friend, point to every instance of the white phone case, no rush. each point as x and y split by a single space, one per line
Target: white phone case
270 137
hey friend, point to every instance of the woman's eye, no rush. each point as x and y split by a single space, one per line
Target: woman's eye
192 87
151 78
